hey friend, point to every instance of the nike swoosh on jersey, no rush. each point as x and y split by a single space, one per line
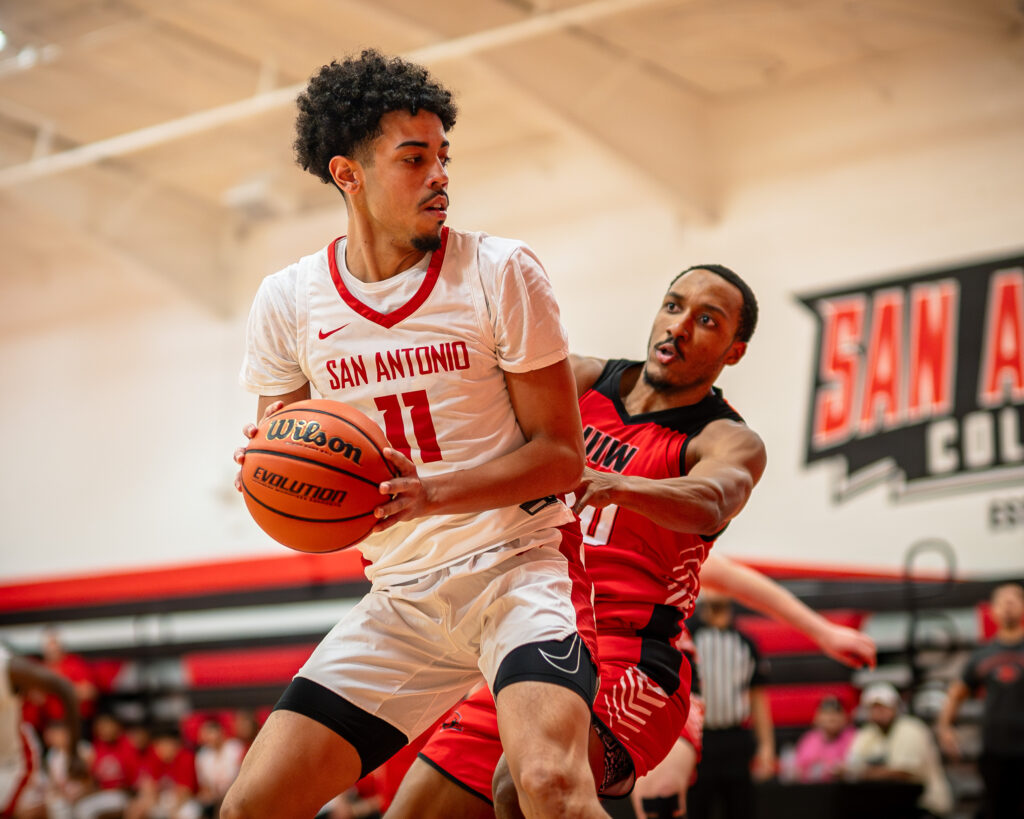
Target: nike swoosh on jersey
324 335
574 647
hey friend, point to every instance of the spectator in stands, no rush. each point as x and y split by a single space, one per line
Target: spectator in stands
114 768
998 670
732 675
898 747
140 736
245 727
63 788
75 669
21 788
166 785
217 764
820 752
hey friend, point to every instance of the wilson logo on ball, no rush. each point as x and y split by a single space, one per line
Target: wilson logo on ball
311 475
310 432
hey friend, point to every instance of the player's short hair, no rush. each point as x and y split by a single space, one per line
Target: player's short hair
341 108
748 313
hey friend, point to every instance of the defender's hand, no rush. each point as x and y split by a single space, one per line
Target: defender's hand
595 490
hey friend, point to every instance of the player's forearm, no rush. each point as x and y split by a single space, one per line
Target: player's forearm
694 505
760 593
955 696
541 467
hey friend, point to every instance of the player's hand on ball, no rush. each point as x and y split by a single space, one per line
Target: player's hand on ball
595 490
249 431
409 496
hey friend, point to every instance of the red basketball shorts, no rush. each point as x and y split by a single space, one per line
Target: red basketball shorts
644 719
466 748
646 716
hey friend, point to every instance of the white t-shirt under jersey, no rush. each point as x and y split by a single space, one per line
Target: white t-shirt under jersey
424 354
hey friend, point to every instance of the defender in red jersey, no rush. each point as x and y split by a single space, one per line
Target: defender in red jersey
669 463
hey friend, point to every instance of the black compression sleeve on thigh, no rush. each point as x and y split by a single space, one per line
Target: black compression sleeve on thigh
560 662
375 740
662 807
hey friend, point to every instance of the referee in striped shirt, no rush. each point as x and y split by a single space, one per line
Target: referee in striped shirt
739 738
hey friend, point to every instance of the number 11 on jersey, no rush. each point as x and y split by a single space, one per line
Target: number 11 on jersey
422 424
596 524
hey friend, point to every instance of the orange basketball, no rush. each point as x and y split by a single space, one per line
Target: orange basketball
310 476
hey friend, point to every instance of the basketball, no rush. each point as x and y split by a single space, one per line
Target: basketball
310 476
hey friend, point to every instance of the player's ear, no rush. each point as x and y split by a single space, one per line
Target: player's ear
345 172
736 352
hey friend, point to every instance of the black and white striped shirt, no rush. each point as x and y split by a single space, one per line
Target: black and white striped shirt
728 665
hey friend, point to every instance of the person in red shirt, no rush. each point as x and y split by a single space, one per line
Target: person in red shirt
669 464
114 767
75 669
166 784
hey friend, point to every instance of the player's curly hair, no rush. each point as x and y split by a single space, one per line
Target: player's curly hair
341 108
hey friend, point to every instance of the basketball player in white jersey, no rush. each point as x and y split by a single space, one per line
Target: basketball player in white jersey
20 785
452 341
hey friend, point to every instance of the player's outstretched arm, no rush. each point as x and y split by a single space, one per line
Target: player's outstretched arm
764 595
548 463
728 460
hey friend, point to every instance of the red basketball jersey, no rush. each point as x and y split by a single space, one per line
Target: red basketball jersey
634 563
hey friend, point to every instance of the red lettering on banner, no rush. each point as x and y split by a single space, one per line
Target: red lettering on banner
932 341
842 324
1002 371
884 363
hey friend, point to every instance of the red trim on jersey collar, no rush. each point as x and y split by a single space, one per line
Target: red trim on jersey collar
407 309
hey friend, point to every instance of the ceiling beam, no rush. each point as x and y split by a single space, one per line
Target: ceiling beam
201 121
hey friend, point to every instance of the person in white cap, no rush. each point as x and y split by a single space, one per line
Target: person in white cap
898 747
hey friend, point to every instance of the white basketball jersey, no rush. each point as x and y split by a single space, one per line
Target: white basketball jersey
424 354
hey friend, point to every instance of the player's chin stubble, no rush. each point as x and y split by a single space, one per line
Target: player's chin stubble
427 242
